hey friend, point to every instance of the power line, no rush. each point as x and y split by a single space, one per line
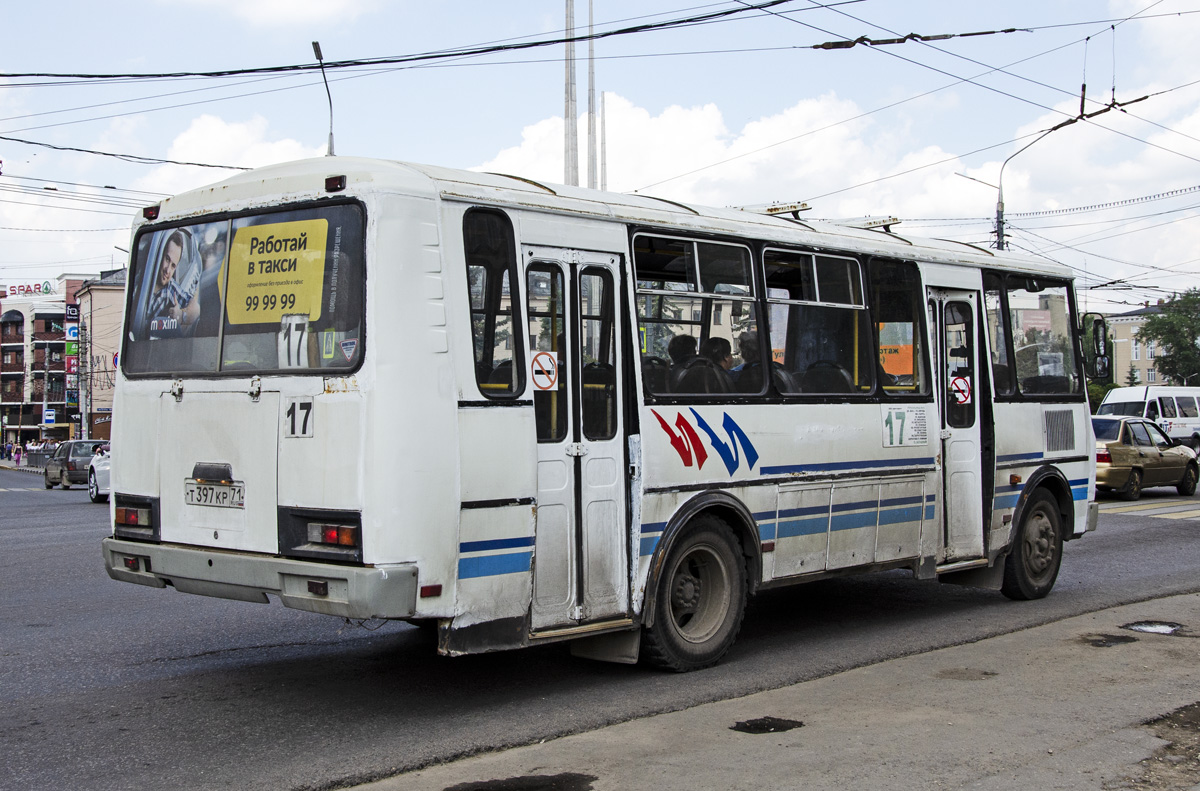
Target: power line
426 56
126 157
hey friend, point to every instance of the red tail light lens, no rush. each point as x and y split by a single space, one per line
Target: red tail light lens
1103 457
136 517
333 535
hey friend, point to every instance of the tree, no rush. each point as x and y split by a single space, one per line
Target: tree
1175 330
1131 378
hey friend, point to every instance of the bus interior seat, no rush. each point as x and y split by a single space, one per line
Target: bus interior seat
826 376
502 374
655 371
750 379
702 375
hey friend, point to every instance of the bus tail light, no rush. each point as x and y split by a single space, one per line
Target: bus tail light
135 518
333 535
321 534
1103 457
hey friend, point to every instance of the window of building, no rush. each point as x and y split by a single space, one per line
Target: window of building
1151 375
1136 348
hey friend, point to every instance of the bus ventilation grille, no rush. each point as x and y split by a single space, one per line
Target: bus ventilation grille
1060 429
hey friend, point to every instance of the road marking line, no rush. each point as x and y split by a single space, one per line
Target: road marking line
1122 509
1194 513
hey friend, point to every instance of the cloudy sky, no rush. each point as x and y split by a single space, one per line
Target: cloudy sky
740 110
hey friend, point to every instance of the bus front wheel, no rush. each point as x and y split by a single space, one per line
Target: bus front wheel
700 599
1032 565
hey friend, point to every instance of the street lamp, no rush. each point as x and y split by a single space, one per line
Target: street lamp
1000 181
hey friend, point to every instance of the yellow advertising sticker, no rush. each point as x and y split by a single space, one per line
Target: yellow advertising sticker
276 270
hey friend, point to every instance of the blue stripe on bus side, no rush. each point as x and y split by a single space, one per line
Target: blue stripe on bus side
817 519
495 543
1020 457
843 465
495 565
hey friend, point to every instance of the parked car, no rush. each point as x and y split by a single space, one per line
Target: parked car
1133 453
69 462
98 480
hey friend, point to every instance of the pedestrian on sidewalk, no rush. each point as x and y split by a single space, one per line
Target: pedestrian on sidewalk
18 452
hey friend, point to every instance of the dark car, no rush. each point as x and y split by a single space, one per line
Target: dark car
69 462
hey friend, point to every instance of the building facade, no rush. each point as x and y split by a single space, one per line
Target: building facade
101 304
1133 358
39 360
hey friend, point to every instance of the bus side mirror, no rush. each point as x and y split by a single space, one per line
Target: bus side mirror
1096 358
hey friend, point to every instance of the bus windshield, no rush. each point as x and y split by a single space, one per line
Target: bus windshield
270 292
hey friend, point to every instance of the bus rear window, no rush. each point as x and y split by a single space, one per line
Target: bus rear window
267 293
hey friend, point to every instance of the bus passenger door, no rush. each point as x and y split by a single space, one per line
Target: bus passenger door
580 564
953 313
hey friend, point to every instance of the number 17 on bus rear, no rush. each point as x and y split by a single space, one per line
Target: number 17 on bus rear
527 413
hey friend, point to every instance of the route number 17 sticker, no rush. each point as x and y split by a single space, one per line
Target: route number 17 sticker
298 417
904 426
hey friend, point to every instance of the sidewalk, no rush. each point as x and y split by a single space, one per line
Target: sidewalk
1062 706
6 464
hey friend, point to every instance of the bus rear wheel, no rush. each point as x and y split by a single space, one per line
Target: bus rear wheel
1032 565
700 599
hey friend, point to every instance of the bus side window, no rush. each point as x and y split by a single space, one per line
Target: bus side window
1151 410
895 293
993 300
691 296
491 259
820 336
1168 406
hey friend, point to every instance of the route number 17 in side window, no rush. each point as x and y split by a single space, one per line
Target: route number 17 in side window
298 418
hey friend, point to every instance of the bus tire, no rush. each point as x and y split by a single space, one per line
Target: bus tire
1032 565
1187 487
700 599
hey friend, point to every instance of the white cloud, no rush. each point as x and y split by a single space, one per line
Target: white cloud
213 140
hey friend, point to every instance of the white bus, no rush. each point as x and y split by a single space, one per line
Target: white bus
524 412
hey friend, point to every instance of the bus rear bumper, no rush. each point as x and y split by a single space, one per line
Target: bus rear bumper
345 591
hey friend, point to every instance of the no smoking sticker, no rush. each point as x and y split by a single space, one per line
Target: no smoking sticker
544 371
960 389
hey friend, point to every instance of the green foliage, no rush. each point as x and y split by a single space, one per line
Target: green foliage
1096 393
1131 378
1175 331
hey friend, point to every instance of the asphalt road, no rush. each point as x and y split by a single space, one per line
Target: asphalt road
110 686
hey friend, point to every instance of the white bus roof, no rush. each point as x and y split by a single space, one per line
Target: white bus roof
304 179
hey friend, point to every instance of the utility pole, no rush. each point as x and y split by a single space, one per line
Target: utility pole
591 101
571 113
85 392
45 386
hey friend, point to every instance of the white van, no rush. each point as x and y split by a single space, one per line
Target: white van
1174 409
